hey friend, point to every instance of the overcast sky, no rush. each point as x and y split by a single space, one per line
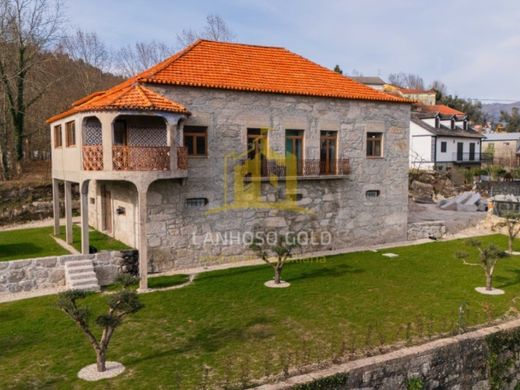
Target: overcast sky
471 45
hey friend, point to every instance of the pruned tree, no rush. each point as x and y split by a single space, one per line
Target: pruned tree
27 29
120 304
488 257
133 59
216 29
511 222
282 251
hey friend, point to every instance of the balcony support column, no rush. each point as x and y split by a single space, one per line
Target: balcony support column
172 130
68 212
84 217
56 206
142 242
107 120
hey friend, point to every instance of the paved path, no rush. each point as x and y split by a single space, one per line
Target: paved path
37 224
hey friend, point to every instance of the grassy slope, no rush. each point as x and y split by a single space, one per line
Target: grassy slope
27 243
97 239
228 319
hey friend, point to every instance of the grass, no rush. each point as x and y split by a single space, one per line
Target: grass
28 243
98 240
38 242
229 321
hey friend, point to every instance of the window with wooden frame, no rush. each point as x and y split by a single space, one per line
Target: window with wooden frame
444 147
374 144
196 140
70 133
58 137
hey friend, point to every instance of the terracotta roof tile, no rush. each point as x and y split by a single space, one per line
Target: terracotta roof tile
243 67
440 109
232 66
129 97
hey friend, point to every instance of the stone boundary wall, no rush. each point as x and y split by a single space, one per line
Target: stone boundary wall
499 187
420 230
49 272
484 359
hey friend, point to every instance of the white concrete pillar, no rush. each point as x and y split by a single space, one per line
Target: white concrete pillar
84 218
107 120
172 131
68 212
142 242
56 205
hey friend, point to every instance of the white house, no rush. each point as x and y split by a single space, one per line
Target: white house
374 82
440 140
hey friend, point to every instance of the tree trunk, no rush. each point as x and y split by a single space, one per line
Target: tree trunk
510 245
277 275
489 282
101 361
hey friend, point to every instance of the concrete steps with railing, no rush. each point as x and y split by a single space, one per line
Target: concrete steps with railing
80 275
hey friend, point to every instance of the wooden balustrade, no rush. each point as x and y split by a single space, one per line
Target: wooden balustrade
93 157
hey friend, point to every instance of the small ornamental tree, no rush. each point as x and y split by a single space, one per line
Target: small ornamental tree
120 304
488 258
282 250
511 222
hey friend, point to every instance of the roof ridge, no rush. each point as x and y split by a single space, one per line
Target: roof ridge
141 92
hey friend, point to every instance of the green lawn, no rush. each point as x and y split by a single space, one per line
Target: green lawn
229 321
97 239
27 243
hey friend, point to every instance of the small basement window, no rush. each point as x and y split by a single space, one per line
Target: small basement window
196 202
372 194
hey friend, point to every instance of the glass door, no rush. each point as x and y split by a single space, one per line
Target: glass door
294 151
328 142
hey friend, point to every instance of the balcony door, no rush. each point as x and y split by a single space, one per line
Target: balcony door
328 152
256 147
472 152
294 150
460 150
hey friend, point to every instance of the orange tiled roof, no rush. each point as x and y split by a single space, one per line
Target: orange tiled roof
441 109
124 97
241 67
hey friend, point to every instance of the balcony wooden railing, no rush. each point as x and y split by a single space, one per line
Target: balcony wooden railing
93 157
301 168
141 158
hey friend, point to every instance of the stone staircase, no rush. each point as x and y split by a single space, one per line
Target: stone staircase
80 275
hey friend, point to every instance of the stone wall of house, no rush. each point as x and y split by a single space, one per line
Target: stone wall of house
433 229
49 272
181 236
484 359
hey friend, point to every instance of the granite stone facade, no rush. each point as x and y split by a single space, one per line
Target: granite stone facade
181 236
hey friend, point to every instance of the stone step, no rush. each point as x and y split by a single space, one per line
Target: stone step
88 287
83 282
79 270
77 263
83 275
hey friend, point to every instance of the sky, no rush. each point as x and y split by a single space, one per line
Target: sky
472 46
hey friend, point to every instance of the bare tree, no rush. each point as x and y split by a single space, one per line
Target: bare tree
406 80
27 28
511 222
216 29
87 48
133 59
439 87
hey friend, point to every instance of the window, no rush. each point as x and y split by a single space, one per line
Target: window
444 146
196 140
70 133
374 144
371 194
196 202
328 152
58 138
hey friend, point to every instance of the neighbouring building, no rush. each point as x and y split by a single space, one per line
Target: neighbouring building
184 159
426 97
371 81
503 147
441 138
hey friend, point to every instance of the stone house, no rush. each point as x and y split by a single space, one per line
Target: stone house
504 148
222 141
